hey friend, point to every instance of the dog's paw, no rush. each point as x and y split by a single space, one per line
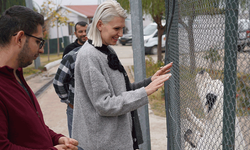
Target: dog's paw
187 135
188 138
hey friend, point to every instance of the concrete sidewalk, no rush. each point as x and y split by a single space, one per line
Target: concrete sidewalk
54 111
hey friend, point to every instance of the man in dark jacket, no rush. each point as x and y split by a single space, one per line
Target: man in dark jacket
81 35
22 125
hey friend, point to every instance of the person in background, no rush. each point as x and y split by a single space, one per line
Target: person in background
22 125
105 103
80 33
64 83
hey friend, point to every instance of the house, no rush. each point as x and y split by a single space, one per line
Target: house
65 33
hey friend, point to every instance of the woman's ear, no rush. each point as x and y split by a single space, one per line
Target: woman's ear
99 25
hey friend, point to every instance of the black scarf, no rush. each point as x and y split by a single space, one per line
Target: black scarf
115 64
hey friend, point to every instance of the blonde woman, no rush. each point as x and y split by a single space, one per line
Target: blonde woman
105 115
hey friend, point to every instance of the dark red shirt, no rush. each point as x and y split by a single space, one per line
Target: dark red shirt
22 125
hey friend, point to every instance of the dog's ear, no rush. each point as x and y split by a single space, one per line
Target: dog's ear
211 98
201 72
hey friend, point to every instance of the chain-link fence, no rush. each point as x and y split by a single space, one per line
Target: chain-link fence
208 95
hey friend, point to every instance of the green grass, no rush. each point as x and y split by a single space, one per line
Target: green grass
156 100
157 103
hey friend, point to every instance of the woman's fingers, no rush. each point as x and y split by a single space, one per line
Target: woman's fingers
165 69
163 78
157 83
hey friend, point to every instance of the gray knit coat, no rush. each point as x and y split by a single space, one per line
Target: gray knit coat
102 118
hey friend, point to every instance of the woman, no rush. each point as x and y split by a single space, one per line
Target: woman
105 100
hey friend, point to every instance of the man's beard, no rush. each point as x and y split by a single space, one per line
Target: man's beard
80 39
23 56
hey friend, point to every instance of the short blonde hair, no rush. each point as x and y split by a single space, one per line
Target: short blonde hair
105 12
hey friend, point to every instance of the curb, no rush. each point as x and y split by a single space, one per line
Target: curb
43 88
52 64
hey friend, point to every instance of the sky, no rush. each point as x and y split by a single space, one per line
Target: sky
70 2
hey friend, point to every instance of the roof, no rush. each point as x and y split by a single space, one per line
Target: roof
87 11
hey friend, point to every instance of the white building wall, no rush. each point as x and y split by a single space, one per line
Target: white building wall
63 29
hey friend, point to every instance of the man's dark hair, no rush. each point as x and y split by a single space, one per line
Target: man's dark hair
18 18
81 23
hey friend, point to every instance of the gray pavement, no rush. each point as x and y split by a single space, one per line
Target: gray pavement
54 111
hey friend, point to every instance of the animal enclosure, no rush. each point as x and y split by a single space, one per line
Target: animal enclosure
207 97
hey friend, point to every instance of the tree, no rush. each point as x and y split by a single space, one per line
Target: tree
213 56
190 10
156 9
54 17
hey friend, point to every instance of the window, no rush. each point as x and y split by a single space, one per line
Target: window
71 28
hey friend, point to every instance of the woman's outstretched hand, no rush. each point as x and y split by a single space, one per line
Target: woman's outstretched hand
159 78
163 70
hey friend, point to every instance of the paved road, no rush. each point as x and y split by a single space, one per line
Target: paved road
55 112
125 54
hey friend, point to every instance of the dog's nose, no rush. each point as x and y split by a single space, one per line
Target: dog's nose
201 72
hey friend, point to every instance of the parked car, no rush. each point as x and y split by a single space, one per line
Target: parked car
151 39
243 34
126 38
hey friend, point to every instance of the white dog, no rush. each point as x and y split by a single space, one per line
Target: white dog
207 134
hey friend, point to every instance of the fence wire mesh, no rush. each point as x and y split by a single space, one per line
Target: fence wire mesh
207 98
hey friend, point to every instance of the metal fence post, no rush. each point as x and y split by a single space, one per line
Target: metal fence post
172 87
139 66
37 62
230 70
166 90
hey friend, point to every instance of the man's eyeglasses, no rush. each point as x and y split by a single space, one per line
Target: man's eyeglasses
42 41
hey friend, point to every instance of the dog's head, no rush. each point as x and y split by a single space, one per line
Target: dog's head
210 91
202 78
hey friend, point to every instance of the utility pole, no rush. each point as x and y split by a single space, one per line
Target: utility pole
139 69
37 62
